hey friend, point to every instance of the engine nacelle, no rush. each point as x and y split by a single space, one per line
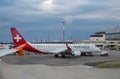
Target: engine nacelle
76 53
104 53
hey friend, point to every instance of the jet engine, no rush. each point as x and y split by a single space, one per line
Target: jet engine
76 53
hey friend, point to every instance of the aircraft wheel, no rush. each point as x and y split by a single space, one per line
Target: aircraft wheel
90 54
62 56
83 54
56 55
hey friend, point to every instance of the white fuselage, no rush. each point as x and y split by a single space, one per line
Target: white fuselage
56 48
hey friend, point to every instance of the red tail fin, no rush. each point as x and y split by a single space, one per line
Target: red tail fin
17 38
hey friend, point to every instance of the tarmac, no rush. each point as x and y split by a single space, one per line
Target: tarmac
48 67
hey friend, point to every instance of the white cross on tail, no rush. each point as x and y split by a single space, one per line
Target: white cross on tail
17 38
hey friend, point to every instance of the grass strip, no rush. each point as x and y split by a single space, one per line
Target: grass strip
111 64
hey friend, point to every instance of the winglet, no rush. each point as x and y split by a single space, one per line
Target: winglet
68 47
19 49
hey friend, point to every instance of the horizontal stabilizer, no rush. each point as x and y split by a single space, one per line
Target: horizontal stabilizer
19 50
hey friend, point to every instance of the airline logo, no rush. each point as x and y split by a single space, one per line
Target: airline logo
17 38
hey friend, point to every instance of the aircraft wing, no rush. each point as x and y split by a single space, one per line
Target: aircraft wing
4 52
58 51
18 49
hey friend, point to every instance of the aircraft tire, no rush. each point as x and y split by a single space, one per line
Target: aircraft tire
83 54
62 56
56 56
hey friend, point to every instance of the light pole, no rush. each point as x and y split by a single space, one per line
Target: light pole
117 35
48 37
63 29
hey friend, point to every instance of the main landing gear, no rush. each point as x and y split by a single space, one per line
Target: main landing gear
62 56
56 56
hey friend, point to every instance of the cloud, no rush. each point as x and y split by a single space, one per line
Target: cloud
97 10
48 5
24 10
4 24
43 15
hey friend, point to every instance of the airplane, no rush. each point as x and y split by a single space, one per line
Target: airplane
62 49
7 51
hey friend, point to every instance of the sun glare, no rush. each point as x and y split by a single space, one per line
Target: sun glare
48 1
48 4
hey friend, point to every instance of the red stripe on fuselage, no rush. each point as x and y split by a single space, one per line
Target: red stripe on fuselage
28 47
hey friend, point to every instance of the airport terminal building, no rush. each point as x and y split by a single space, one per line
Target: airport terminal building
109 38
110 35
98 36
113 35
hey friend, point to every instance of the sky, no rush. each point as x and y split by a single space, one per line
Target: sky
42 19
